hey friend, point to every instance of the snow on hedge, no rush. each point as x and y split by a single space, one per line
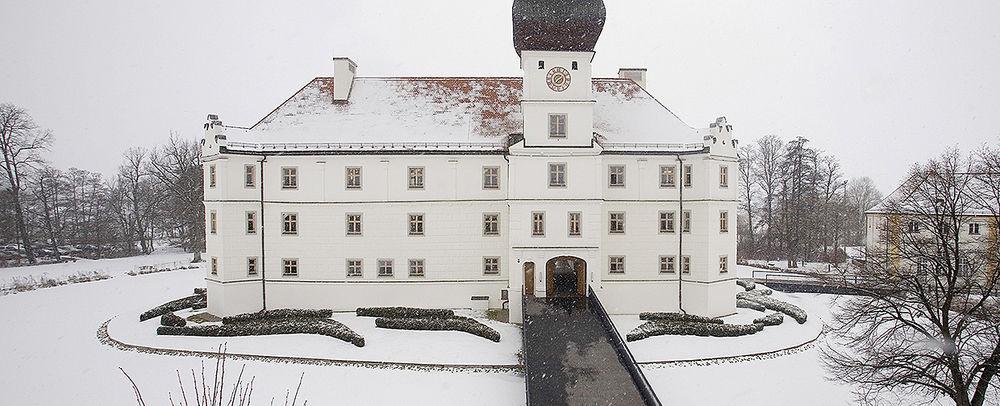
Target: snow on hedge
772 319
656 328
746 284
789 309
325 327
655 316
463 324
746 304
198 301
404 312
278 314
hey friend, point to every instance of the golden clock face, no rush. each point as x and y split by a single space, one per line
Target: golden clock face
558 79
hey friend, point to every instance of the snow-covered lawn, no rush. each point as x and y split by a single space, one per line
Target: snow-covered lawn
112 267
427 347
50 355
773 338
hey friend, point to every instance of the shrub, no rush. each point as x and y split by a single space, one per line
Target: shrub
200 291
404 312
655 316
772 319
279 314
746 284
172 320
658 328
789 309
190 302
463 324
746 304
324 327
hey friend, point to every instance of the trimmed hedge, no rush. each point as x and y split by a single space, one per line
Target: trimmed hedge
172 320
747 304
325 327
789 309
200 291
657 316
278 314
654 328
463 324
404 312
772 319
746 284
190 302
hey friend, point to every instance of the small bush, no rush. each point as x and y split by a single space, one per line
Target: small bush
789 309
746 284
746 304
200 291
678 317
279 314
325 327
190 302
404 312
658 328
772 319
172 320
463 324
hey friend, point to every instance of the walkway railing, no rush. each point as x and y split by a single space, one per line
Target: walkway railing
624 354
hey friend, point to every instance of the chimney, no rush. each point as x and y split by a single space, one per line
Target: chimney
637 75
344 70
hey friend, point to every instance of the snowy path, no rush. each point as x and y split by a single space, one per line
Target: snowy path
51 355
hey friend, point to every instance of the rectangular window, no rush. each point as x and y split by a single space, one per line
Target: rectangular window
538 224
289 177
616 176
575 220
667 219
723 264
557 175
491 177
687 175
686 264
723 176
557 125
385 268
686 221
213 222
912 227
973 228
211 176
668 264
491 265
616 264
616 223
415 178
416 224
215 266
668 176
355 268
250 175
251 222
289 223
354 224
416 267
251 266
289 267
352 177
491 224
723 221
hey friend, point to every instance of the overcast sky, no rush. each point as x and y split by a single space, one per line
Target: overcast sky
880 84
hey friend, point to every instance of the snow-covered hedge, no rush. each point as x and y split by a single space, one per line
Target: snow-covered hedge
190 302
746 284
200 291
656 328
746 304
28 283
172 320
789 309
772 319
325 327
404 312
657 316
463 324
277 314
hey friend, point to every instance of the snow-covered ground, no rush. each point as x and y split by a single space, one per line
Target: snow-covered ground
50 355
112 267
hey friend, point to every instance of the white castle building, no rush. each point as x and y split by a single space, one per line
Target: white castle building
467 192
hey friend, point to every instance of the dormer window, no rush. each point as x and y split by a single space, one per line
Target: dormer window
576 66
541 64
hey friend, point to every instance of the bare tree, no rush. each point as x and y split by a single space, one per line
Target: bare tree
748 188
927 319
767 175
177 167
20 143
861 195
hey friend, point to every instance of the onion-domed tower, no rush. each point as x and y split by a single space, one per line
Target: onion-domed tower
555 40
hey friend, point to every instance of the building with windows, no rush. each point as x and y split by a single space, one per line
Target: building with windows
471 191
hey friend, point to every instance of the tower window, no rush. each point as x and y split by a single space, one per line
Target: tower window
576 66
557 125
541 64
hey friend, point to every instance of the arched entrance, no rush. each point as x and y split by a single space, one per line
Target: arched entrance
529 278
566 277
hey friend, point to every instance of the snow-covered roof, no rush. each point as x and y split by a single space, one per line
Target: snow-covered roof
468 113
972 202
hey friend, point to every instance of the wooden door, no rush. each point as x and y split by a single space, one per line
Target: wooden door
529 278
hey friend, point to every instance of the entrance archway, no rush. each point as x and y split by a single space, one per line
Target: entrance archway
566 277
529 278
